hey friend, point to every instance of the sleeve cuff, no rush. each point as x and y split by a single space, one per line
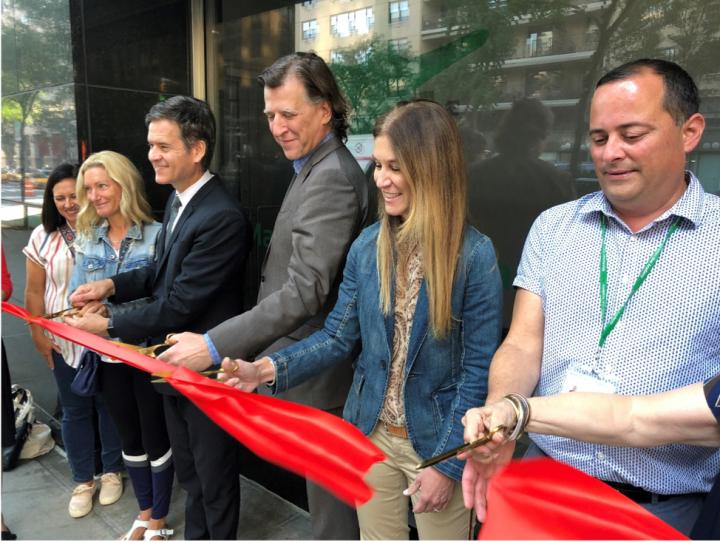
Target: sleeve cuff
271 384
214 354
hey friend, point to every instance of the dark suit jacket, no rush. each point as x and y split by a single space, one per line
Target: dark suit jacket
197 283
323 211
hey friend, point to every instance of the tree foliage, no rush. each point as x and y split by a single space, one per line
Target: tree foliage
373 76
36 48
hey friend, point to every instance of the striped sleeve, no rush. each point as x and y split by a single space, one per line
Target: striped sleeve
36 246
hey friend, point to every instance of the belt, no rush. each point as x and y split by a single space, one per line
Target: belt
640 496
396 430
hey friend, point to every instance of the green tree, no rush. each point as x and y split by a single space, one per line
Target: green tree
36 55
630 29
373 75
472 42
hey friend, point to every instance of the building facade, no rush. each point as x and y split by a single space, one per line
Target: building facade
78 76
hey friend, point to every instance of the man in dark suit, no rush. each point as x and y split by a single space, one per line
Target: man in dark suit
323 211
194 284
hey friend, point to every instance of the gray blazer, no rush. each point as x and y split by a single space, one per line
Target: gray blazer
324 209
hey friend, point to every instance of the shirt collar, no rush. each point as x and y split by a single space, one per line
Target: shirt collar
193 189
101 232
689 206
300 162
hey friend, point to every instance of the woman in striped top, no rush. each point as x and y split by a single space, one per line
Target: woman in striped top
50 261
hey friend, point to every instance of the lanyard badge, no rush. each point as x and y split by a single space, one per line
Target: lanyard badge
594 379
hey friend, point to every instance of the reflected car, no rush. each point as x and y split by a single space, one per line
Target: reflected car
38 177
10 174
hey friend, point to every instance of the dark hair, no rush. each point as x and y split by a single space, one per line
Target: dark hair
319 83
50 216
194 118
681 97
523 127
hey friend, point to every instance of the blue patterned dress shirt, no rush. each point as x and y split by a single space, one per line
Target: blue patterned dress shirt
668 337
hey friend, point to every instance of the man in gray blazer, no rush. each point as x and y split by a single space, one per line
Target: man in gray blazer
324 209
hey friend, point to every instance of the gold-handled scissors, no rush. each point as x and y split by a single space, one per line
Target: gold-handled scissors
64 312
487 437
162 376
147 350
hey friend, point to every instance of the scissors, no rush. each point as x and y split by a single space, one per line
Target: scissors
487 437
63 312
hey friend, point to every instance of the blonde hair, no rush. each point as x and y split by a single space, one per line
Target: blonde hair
428 150
133 204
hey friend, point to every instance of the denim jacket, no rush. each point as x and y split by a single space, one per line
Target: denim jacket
95 257
443 377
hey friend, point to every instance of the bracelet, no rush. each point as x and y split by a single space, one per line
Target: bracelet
522 410
518 416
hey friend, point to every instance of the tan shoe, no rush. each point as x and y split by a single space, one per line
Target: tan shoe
111 488
81 501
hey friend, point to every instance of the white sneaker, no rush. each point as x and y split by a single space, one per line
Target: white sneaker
111 488
81 501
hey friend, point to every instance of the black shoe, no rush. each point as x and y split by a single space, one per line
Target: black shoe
9 535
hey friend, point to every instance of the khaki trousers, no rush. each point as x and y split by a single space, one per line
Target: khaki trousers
385 515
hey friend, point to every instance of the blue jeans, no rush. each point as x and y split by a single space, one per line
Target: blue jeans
78 431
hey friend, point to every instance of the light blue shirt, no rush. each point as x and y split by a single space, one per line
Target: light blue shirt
668 337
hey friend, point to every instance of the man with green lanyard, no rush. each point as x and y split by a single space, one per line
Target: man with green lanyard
619 291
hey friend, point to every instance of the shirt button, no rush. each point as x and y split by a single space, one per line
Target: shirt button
112 257
633 238
600 456
626 280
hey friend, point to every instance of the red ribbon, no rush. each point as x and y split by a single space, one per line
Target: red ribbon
541 499
312 443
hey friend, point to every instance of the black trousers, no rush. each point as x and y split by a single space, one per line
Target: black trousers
136 408
207 467
8 410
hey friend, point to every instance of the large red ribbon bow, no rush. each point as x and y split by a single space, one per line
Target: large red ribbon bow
304 440
541 499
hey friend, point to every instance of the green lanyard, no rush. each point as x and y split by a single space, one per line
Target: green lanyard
609 326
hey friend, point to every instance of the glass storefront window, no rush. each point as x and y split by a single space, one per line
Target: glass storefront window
39 128
478 58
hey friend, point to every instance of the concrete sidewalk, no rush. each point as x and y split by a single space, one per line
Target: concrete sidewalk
36 493
35 497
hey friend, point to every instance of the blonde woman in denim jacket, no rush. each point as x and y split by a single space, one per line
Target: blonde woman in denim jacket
421 303
117 234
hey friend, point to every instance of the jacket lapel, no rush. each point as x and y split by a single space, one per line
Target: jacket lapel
317 155
186 214
160 242
419 327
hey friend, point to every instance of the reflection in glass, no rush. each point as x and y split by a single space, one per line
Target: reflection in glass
38 104
36 45
39 131
475 57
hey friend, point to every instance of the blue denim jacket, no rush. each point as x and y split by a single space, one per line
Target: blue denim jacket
95 258
443 377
